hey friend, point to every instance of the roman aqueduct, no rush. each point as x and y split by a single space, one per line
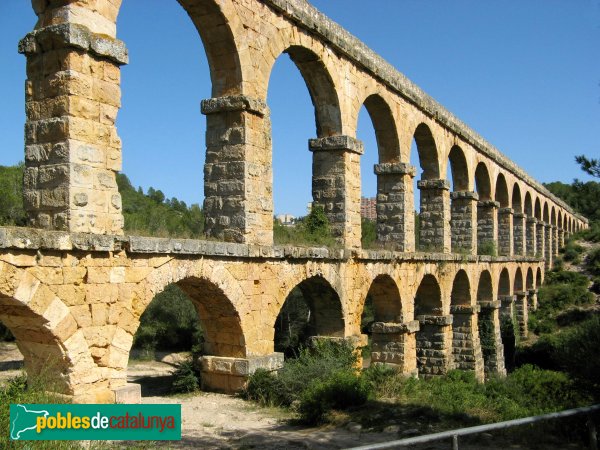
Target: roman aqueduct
73 287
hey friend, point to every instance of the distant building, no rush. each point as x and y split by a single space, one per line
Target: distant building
286 219
368 208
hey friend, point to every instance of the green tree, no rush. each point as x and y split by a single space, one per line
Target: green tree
12 212
589 166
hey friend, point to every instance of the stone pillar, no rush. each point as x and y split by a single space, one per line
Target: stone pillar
555 245
434 345
548 246
491 339
336 185
561 238
532 299
395 213
519 228
463 222
530 236
238 200
521 312
487 225
505 231
229 375
540 239
466 346
394 345
506 306
435 215
72 150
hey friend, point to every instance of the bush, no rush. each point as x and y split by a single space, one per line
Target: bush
572 251
312 230
186 377
487 248
318 370
340 390
592 262
577 353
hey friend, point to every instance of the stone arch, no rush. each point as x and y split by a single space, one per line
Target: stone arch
489 326
217 25
461 290
482 182
517 205
504 217
385 295
528 207
428 299
553 215
466 349
518 281
502 191
504 288
215 295
428 153
539 278
386 133
529 284
459 168
47 335
321 87
327 316
485 289
546 213
537 209
434 338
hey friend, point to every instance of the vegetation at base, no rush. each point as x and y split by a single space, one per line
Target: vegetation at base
526 391
186 376
311 230
322 378
169 323
572 251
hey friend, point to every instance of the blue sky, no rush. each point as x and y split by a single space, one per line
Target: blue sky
523 74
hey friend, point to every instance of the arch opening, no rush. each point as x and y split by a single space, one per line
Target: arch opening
434 338
382 212
312 308
462 207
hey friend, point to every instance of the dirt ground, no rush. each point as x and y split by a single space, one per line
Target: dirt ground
217 421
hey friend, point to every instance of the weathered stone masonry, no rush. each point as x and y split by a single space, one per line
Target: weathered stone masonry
72 287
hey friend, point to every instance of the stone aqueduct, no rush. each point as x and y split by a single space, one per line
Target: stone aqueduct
72 287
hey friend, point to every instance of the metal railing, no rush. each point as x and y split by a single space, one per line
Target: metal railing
454 434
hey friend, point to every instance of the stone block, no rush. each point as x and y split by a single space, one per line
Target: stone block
131 393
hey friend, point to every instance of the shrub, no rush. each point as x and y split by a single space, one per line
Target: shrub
314 369
266 388
487 248
592 262
572 251
340 390
186 377
577 352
